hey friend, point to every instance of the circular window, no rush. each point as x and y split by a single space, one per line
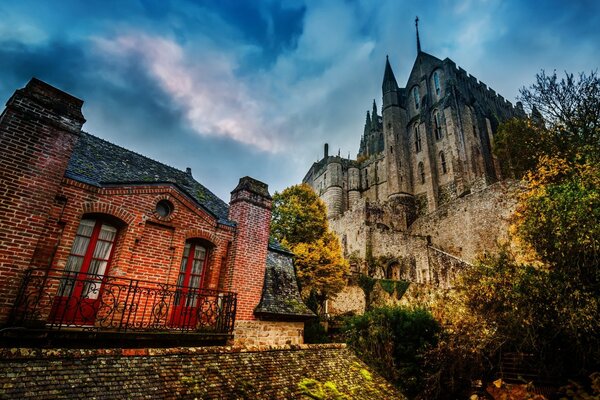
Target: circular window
164 208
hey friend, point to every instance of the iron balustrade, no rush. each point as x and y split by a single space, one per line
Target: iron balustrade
60 300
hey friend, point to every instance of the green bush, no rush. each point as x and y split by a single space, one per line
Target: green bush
393 340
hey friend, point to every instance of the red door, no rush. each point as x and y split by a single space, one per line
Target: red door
77 298
187 297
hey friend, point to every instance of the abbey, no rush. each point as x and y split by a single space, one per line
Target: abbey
428 148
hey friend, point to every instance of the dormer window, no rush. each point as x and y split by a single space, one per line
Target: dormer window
436 83
416 96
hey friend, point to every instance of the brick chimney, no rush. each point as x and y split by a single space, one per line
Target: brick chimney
250 208
38 129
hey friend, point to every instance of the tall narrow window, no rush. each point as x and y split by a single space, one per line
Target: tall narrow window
417 139
189 282
436 83
76 301
416 96
422 172
443 162
437 122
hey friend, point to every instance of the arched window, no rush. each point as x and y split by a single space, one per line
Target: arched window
417 139
443 162
422 172
416 96
189 282
436 83
88 262
437 122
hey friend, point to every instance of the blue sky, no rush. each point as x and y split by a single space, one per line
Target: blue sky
234 88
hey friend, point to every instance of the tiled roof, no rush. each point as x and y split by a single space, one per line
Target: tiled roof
283 372
281 297
100 163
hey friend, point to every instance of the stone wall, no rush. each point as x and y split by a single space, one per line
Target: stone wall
473 224
188 373
274 333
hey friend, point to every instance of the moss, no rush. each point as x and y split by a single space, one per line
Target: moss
388 285
314 389
401 288
366 374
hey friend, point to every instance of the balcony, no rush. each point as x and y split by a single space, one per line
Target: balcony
64 305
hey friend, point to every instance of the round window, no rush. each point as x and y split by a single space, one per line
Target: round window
164 208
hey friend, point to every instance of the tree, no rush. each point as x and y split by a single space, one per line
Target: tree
299 215
299 222
571 110
564 123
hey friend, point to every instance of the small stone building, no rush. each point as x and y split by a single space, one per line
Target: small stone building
97 240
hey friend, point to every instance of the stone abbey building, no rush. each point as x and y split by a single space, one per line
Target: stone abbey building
427 150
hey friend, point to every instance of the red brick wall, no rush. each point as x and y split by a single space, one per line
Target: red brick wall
148 247
250 207
38 130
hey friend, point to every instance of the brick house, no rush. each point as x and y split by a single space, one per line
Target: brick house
97 241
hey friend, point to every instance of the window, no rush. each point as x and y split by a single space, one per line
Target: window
416 96
90 256
89 260
436 83
437 122
417 139
422 172
191 271
164 208
443 162
474 131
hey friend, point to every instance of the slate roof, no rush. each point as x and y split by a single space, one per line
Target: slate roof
281 297
100 163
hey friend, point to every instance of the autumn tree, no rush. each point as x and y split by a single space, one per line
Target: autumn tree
564 122
299 222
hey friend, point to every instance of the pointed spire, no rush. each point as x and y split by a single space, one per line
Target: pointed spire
374 117
418 40
389 80
368 123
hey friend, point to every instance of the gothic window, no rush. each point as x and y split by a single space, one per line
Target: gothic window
436 83
437 122
422 172
443 162
416 96
417 139
391 149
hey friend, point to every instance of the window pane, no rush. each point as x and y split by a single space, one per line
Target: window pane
80 245
86 226
102 250
195 282
183 264
107 233
199 253
197 267
74 264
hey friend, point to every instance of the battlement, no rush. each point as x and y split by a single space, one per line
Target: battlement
470 82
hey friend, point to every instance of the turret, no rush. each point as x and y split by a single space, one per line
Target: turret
396 148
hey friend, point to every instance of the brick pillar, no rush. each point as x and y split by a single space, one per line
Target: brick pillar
38 129
250 208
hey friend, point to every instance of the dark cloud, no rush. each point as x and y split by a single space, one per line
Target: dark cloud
234 88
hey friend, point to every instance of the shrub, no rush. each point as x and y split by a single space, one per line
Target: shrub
393 340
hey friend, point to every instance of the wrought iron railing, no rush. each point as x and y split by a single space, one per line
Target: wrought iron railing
60 300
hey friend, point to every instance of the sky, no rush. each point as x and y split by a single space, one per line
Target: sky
234 87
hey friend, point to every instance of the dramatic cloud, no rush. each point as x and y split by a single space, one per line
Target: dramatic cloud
236 88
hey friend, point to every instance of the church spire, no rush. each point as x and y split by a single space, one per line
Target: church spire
374 117
389 80
418 40
367 124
